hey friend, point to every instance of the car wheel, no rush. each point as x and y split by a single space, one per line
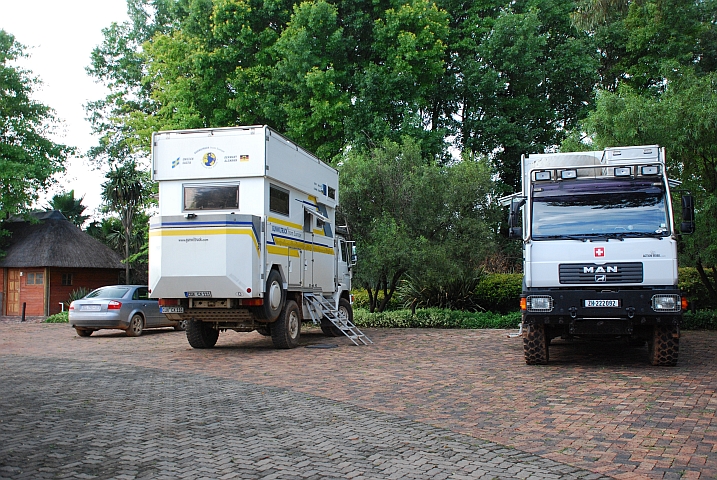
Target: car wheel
136 325
83 332
181 326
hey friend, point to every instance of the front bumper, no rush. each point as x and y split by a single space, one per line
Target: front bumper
572 307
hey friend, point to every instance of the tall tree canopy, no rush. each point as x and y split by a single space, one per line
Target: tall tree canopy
495 77
28 157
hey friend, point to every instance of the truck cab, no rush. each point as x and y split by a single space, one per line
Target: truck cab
599 250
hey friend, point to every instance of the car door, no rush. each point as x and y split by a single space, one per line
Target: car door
149 307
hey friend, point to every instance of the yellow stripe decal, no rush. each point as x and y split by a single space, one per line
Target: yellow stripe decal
186 232
285 223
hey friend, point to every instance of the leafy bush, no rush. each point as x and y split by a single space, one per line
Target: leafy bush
700 320
500 292
693 288
435 318
61 317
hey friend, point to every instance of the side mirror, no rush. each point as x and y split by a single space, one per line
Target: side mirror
354 257
514 231
688 215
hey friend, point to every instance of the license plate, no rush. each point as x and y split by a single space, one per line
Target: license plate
198 294
172 309
90 308
602 303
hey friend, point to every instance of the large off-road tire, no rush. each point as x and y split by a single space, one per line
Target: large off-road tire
201 335
136 325
274 298
83 332
663 346
535 344
345 312
286 330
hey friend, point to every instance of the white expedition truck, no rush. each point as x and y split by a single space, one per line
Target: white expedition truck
246 238
599 249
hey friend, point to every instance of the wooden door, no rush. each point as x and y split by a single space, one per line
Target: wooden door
13 292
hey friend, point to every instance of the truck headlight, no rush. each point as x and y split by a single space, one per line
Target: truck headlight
666 303
540 303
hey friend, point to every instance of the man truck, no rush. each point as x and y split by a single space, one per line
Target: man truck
245 238
599 249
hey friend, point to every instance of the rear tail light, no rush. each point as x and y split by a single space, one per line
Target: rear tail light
252 302
72 306
168 302
114 305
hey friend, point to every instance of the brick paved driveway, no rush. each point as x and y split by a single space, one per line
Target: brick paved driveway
417 402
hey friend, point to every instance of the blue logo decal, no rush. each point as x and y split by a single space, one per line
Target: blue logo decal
209 159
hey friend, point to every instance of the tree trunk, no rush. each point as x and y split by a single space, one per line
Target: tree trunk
705 279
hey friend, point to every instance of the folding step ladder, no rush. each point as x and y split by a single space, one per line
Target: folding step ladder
318 307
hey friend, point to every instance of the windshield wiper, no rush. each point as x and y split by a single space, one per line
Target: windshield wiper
581 238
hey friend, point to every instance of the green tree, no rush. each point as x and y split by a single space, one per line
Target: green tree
28 158
70 207
126 192
410 214
526 77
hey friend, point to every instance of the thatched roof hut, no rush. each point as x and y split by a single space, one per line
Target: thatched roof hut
47 260
54 242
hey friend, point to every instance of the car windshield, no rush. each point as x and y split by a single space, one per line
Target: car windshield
109 292
600 208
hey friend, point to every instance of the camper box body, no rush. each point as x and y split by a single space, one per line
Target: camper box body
240 208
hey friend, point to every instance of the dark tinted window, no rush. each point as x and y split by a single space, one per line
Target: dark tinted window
278 200
211 197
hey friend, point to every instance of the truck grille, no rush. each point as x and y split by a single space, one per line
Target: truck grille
594 274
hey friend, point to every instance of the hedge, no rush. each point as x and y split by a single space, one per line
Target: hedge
441 318
61 317
434 318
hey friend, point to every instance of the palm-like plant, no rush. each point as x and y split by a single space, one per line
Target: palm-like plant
70 207
126 192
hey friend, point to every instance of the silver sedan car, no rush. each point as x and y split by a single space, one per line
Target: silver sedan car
126 307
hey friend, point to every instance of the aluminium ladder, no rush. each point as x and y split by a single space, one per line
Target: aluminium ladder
318 307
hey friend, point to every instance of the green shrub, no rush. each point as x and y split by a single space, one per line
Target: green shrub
435 318
61 317
76 295
700 320
693 288
500 292
455 294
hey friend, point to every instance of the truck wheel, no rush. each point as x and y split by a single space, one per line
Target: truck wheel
535 344
274 298
136 325
286 330
201 335
345 312
664 345
83 332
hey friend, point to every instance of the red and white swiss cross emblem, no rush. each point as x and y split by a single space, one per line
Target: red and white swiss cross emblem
599 252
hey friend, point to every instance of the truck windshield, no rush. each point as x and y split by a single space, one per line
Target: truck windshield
599 208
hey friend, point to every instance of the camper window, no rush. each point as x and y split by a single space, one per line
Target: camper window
278 200
211 197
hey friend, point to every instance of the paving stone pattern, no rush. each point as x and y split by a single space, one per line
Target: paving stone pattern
598 406
67 419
